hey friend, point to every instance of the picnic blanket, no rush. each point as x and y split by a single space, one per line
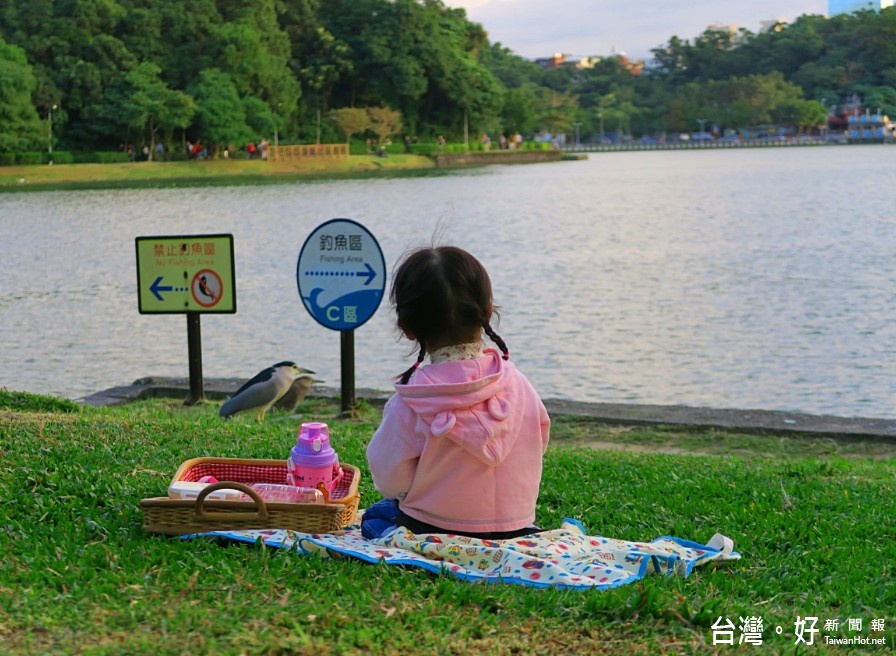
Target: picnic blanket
566 557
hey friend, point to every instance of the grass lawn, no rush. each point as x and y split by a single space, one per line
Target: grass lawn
153 174
813 520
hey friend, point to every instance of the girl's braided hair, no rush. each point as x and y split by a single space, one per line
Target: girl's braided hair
442 295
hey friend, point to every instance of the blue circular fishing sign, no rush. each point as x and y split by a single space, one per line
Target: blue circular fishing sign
341 274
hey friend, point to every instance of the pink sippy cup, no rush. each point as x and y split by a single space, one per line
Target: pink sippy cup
312 460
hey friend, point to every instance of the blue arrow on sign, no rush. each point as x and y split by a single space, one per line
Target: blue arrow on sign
156 287
370 273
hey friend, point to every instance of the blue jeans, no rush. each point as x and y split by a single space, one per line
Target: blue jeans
385 515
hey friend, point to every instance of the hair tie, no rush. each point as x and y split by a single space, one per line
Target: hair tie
416 364
506 355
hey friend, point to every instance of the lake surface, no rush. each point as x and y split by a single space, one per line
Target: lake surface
747 278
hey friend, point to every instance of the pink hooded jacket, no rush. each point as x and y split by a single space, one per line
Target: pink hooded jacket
461 446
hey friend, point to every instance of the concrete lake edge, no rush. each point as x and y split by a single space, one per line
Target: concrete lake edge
620 414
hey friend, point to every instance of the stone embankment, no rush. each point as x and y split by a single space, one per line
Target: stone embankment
618 414
446 160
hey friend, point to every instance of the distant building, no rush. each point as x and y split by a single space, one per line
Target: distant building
555 61
733 31
737 34
773 25
849 6
634 66
559 59
585 62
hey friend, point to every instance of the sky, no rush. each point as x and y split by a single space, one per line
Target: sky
540 28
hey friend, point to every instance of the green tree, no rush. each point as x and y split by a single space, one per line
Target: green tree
739 102
288 61
85 56
477 98
417 57
878 98
802 41
670 61
510 70
150 106
806 114
318 59
20 126
187 41
221 116
463 90
556 112
518 115
255 53
259 117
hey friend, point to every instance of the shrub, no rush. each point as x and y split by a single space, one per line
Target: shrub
29 159
62 157
356 147
427 149
536 145
110 157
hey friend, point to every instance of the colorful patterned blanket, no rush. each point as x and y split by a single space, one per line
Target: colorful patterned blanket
566 557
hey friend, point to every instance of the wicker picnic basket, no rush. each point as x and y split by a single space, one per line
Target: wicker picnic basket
185 516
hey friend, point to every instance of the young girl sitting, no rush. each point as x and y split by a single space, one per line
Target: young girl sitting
460 446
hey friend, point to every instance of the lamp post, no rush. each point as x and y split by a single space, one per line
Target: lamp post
577 124
702 122
276 124
50 134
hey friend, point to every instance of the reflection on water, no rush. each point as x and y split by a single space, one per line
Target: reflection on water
745 278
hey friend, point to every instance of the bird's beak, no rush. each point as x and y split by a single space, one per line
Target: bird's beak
304 371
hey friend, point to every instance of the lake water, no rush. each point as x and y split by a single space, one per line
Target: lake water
748 278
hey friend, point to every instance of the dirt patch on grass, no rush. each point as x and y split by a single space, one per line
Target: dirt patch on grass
636 448
715 443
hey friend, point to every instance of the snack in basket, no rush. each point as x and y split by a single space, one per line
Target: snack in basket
191 490
285 493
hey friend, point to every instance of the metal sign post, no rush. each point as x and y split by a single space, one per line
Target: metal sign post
341 275
187 274
347 369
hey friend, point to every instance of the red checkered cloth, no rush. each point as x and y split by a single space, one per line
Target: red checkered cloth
248 474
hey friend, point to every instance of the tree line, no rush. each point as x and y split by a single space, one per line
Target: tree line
96 74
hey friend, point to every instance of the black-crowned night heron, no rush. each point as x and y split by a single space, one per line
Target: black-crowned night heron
263 390
296 393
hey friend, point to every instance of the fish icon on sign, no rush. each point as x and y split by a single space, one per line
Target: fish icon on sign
205 290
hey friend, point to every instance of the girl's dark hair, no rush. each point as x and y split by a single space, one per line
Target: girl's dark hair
442 295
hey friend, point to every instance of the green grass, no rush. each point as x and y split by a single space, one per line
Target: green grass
78 575
229 172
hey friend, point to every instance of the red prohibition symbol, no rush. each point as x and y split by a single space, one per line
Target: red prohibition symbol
206 288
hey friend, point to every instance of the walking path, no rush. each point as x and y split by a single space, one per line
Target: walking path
743 421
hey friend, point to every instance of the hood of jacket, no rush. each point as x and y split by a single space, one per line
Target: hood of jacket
469 402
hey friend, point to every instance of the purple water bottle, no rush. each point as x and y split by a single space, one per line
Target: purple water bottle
312 460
